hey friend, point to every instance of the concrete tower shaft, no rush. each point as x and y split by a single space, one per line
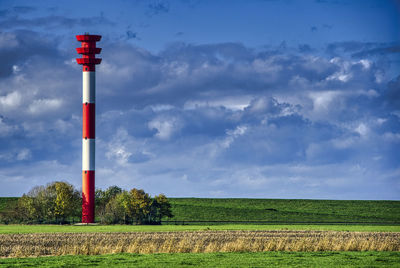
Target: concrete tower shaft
88 61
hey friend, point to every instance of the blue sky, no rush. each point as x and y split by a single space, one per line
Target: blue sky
258 99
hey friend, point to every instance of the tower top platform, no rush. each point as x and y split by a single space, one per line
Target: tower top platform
88 38
88 50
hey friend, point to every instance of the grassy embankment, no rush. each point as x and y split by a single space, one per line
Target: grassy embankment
278 211
234 259
285 210
251 214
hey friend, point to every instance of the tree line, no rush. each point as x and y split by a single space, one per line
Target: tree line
60 202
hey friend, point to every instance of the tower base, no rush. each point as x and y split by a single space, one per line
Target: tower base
88 192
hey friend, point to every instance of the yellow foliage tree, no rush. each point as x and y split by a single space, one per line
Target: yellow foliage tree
66 200
139 205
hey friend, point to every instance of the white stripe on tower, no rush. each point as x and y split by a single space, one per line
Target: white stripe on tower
89 87
88 154
88 141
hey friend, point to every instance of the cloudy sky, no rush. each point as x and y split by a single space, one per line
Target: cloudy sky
260 99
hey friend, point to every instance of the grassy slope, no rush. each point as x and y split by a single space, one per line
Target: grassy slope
277 210
259 259
11 229
285 210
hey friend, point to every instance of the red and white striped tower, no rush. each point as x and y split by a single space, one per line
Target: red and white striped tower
88 61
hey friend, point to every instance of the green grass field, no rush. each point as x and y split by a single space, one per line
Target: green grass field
13 229
360 216
286 210
237 259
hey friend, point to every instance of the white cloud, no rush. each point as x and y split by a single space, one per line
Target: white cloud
267 66
362 129
10 101
117 147
65 126
124 148
344 74
232 135
365 63
343 143
165 127
112 70
323 99
18 155
16 69
119 153
371 93
161 107
260 104
175 69
391 137
24 154
42 106
232 103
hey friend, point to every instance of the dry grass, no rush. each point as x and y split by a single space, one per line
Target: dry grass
22 245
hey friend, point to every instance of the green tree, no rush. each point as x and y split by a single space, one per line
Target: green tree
56 201
114 211
36 205
102 199
112 191
161 208
137 206
25 210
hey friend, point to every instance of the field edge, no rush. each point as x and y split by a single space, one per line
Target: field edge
231 259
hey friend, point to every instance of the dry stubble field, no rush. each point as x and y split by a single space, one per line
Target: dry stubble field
45 244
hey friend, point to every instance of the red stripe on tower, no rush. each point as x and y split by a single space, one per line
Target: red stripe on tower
88 118
88 61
